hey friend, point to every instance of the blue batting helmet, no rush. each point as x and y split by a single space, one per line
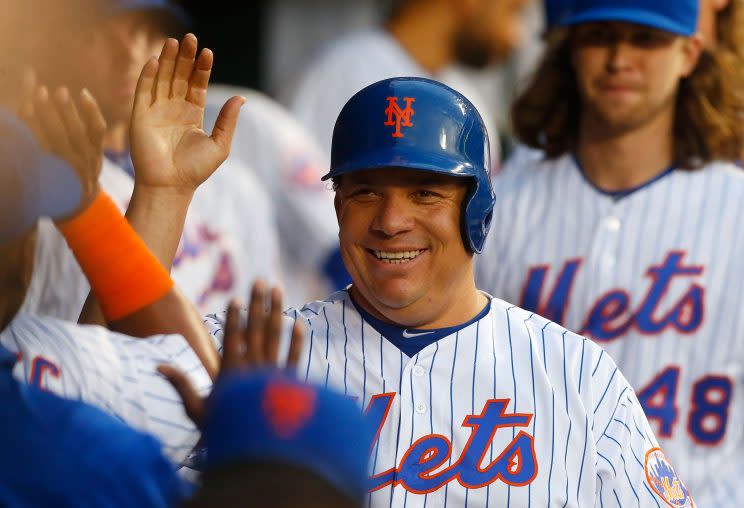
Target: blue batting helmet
418 123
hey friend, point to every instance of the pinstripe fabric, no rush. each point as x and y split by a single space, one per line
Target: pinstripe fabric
114 372
538 368
657 283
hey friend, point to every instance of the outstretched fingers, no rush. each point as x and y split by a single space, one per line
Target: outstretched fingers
184 66
199 79
233 347
167 64
273 328
51 123
144 95
92 117
254 330
76 130
227 120
27 109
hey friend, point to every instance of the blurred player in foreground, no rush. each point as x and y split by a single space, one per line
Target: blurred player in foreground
628 231
57 452
114 372
274 441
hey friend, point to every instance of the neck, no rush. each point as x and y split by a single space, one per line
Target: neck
116 137
429 313
426 35
622 160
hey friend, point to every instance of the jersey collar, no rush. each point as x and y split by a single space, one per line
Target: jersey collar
617 195
412 340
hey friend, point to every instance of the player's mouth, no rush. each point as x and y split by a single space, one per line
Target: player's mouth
398 257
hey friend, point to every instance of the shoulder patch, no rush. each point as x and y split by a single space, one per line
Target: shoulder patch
665 482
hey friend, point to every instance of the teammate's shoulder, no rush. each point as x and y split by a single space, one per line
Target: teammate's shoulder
25 323
710 180
537 325
530 168
41 328
732 173
312 310
353 61
355 44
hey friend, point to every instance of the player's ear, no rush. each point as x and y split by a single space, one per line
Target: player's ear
693 47
337 204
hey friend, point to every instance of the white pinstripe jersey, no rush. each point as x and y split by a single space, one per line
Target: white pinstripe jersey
111 371
655 278
511 410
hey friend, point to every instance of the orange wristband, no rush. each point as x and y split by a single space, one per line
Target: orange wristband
123 274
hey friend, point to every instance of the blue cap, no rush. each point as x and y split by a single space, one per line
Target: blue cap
676 16
270 416
59 452
556 11
33 183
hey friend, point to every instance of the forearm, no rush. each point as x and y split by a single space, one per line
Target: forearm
158 217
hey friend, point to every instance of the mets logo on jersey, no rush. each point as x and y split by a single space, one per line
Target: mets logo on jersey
420 470
665 482
399 117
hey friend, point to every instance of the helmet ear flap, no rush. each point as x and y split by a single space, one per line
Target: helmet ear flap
477 215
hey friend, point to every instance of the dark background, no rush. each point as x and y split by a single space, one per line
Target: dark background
233 30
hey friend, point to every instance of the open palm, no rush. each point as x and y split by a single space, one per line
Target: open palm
168 145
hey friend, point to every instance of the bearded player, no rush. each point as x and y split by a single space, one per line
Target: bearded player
627 232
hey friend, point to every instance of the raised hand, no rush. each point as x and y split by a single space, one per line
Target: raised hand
244 347
70 128
169 148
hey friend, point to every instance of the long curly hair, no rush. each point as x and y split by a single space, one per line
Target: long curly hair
709 114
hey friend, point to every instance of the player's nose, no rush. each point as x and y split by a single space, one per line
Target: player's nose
619 55
393 215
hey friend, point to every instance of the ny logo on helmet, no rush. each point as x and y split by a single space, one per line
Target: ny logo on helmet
402 116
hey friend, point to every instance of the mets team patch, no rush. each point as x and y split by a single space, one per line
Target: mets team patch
665 482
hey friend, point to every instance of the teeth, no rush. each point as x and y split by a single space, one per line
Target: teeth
397 257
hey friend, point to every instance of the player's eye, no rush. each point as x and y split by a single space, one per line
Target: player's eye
362 193
425 194
594 34
650 38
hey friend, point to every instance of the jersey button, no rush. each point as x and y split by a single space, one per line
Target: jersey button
611 223
421 408
418 370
